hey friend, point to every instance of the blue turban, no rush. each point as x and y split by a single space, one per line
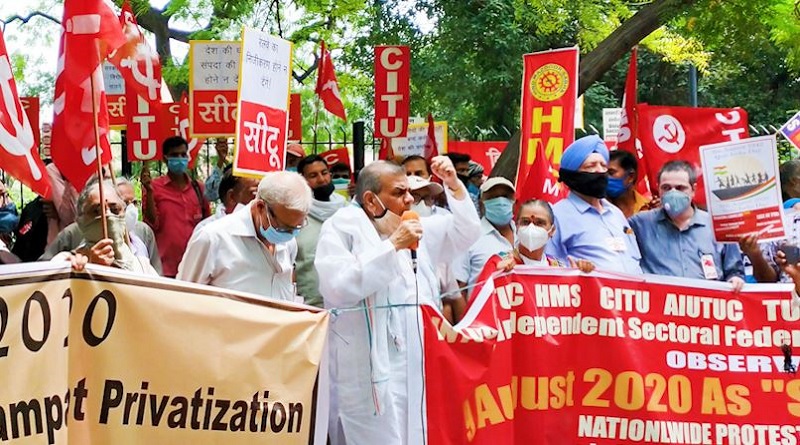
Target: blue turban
579 150
789 203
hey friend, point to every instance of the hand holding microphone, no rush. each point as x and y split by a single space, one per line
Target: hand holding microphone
408 233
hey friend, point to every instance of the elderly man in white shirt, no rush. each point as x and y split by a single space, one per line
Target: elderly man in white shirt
366 267
253 249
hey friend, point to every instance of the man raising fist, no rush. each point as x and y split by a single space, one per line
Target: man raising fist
364 265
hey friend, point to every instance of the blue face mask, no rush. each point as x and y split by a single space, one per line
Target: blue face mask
675 202
291 169
499 211
9 218
616 186
473 189
274 236
177 166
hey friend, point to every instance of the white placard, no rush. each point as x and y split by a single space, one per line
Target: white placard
214 65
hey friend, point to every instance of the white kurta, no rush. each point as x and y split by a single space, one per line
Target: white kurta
375 352
227 254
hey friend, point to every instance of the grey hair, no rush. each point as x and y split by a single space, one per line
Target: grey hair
108 188
121 180
289 189
542 204
369 179
679 166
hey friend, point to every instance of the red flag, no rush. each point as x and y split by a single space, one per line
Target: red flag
542 181
677 133
431 149
628 138
90 32
336 156
386 152
136 61
18 151
327 86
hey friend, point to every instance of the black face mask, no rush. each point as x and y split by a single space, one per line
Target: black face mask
589 184
324 192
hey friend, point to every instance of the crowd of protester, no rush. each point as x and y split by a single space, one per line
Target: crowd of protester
317 234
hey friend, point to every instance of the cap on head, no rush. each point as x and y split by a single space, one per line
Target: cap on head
296 150
497 181
418 183
578 151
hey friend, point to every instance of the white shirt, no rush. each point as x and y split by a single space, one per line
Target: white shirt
375 350
218 214
227 254
469 266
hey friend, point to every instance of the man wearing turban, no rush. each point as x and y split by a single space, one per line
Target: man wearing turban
588 227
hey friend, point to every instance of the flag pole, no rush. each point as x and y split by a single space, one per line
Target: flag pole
316 93
97 149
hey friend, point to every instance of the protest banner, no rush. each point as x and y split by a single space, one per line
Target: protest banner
295 117
115 96
392 91
791 130
31 106
611 123
549 95
743 193
676 133
144 122
213 86
417 137
263 119
552 357
113 357
485 153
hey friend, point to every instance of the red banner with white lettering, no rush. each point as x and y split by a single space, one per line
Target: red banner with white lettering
295 117
144 121
676 133
392 90
485 153
549 95
32 107
556 357
195 144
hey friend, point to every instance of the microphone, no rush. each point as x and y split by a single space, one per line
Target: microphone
407 216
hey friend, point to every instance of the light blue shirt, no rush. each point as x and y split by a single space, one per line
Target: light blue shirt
212 185
604 238
666 250
467 267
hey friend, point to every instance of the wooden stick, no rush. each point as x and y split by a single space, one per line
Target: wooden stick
95 113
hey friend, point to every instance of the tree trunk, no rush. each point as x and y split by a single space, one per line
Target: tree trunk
601 59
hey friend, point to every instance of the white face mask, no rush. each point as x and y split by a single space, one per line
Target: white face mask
388 222
131 216
422 209
532 237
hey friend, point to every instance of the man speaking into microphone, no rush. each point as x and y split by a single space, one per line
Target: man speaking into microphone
365 267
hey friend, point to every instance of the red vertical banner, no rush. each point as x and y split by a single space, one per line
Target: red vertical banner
295 117
143 123
392 90
676 133
549 96
31 107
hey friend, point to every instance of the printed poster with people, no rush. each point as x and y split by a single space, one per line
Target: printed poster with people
743 192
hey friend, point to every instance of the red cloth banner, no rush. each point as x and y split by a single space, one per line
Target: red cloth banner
676 133
90 32
549 95
144 121
335 156
295 117
556 357
19 155
392 90
32 108
485 153
195 144
135 60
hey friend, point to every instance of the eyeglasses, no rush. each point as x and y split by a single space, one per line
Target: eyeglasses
281 227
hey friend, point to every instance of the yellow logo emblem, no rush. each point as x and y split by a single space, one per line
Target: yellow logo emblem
549 82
